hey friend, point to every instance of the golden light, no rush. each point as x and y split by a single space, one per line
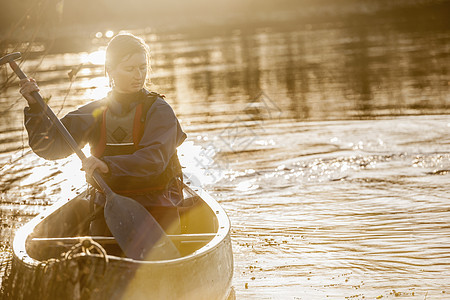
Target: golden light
96 88
95 58
109 34
199 164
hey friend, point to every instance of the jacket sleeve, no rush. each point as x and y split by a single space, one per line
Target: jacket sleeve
162 135
45 139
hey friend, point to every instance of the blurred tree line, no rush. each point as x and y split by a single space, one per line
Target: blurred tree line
53 15
66 25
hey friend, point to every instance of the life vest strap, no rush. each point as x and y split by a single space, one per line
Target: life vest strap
101 148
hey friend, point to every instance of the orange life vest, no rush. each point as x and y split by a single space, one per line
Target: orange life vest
126 143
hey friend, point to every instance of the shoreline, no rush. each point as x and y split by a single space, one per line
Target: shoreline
81 37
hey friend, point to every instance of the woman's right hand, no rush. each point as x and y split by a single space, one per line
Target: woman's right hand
91 163
27 86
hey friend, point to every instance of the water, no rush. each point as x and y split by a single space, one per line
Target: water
352 216
326 143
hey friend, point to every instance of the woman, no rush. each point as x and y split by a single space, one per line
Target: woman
133 136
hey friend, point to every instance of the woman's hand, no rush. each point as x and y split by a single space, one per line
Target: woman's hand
27 86
91 163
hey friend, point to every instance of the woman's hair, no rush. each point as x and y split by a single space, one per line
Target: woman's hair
123 46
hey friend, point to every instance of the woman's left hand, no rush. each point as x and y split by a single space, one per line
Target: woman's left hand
91 163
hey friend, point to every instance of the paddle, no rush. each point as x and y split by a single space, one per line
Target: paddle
134 228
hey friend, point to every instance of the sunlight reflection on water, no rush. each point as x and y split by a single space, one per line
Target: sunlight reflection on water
95 88
97 57
332 189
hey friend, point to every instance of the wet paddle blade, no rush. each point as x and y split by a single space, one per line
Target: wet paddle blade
136 231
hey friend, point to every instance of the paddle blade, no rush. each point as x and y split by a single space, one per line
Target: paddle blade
138 234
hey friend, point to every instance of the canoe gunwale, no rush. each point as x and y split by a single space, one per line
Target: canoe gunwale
222 234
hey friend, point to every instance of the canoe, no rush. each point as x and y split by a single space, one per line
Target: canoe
54 258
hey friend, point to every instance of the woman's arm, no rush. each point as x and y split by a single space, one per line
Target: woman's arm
44 138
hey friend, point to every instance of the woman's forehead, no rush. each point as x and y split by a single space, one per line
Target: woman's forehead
139 58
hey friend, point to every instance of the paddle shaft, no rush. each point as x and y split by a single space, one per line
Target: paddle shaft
139 235
62 129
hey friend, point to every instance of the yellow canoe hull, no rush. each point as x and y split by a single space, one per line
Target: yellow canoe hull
48 264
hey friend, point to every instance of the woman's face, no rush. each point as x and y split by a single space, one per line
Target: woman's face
129 75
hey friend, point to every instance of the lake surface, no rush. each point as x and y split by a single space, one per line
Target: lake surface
327 144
